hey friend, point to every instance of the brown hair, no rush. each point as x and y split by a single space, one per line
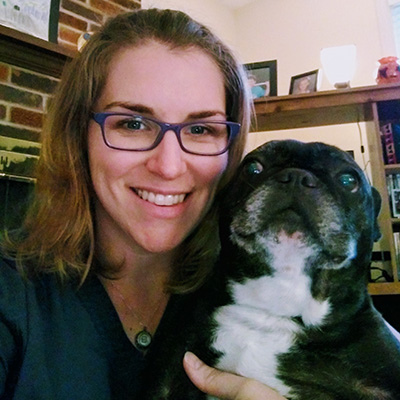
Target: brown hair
58 233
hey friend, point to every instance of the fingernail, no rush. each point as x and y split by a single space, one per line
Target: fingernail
192 360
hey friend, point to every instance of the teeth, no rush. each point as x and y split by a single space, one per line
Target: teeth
161 199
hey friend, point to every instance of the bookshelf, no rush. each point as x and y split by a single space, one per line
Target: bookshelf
372 104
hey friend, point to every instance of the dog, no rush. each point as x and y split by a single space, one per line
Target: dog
287 303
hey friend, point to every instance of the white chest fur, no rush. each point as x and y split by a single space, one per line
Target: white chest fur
258 325
250 341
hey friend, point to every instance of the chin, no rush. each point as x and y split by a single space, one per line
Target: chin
161 246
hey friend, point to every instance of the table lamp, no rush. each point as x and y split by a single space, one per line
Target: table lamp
339 65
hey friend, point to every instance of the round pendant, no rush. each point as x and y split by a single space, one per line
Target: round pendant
143 339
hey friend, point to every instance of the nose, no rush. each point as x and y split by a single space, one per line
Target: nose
297 177
167 159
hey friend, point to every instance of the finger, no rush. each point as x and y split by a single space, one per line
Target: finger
224 385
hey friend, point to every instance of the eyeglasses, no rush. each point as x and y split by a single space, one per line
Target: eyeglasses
137 133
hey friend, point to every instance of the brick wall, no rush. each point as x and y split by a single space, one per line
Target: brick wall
77 16
24 95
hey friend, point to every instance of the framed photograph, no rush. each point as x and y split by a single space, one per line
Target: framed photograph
304 83
262 78
18 158
38 18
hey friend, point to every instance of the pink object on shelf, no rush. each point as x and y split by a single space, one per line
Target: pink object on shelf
388 71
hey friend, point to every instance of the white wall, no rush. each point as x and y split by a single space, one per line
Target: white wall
211 13
294 31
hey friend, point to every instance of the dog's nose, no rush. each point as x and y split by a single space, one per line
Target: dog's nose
297 176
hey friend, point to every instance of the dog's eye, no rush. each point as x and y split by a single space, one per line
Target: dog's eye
349 182
254 168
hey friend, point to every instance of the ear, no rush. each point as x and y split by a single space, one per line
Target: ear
376 197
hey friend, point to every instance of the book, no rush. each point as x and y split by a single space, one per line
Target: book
388 145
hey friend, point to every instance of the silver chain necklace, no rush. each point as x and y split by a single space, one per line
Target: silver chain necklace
143 338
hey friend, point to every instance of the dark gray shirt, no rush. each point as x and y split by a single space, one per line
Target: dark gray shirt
62 342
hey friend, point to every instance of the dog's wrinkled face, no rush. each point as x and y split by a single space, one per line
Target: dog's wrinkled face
296 208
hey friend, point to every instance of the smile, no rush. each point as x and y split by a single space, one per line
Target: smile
161 199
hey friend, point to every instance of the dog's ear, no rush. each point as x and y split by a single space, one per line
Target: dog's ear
377 208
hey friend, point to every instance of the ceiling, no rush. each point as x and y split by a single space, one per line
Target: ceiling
235 3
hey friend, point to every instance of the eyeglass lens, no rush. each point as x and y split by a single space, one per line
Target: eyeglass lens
139 133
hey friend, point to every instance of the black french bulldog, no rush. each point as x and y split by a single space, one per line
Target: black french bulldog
288 302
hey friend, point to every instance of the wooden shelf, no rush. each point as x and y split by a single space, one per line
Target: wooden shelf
26 51
384 288
392 169
321 108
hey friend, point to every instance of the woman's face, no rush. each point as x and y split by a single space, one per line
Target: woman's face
170 85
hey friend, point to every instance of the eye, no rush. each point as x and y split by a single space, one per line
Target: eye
126 124
253 168
209 129
197 130
134 124
349 182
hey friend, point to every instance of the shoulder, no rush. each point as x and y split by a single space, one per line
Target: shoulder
13 293
22 297
11 282
14 320
34 306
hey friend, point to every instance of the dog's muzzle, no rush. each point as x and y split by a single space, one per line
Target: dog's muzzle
294 209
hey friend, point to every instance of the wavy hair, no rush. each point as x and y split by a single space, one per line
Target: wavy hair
58 232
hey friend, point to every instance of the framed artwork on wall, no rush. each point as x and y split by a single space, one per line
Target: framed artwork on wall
304 83
18 158
38 18
262 77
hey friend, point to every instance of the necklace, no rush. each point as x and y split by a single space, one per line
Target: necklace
143 338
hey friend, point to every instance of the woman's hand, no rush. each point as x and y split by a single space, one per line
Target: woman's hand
224 385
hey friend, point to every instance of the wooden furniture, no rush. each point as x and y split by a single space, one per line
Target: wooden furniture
373 105
32 53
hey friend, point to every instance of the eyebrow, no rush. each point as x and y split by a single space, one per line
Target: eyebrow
142 109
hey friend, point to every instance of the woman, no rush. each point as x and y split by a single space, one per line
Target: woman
142 134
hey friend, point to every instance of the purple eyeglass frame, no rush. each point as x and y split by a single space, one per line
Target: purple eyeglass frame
234 129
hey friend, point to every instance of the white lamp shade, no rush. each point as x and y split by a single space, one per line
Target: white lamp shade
339 64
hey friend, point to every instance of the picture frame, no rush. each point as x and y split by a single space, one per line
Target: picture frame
262 78
304 83
37 18
18 158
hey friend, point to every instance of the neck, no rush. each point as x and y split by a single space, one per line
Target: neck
138 293
140 304
134 278
139 274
